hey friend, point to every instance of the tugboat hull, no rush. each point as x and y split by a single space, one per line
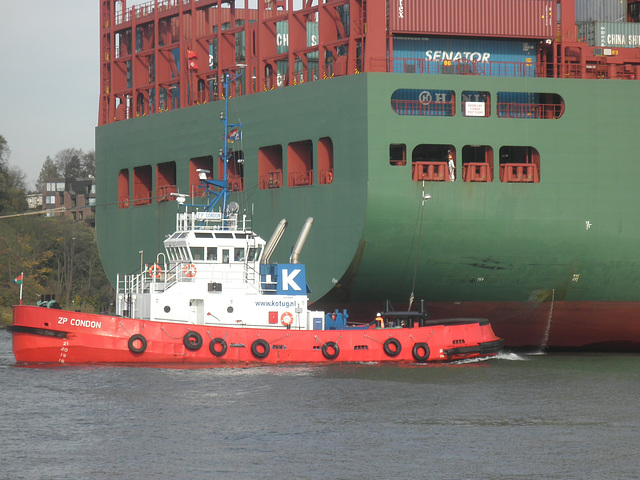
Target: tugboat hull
46 336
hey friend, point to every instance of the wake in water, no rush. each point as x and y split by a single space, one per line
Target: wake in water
500 356
510 356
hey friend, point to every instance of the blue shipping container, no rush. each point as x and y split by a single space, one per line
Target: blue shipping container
464 56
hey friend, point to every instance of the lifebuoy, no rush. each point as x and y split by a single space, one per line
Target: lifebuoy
286 318
190 270
417 348
390 350
192 341
137 338
257 345
329 177
330 355
155 271
223 346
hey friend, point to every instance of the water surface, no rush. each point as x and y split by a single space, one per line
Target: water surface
513 417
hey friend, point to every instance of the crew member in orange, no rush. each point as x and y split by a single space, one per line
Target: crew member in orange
379 321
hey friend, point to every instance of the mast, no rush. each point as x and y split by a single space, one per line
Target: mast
226 155
224 152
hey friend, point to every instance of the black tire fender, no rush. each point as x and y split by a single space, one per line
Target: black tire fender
223 345
392 351
417 348
257 352
192 341
141 339
330 346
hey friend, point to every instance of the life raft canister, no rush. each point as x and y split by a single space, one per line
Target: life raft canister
190 270
286 318
155 271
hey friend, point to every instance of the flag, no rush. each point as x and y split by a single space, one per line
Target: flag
234 134
18 280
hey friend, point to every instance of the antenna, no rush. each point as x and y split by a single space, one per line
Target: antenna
233 208
180 197
213 195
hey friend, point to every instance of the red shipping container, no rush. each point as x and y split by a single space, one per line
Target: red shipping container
479 18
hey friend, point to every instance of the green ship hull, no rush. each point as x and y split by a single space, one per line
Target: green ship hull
551 264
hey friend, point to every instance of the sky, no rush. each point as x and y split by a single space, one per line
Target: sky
49 79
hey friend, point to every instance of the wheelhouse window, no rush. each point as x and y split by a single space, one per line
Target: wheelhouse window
433 163
197 253
212 254
254 253
519 164
426 102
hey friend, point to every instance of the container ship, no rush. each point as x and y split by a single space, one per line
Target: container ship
479 154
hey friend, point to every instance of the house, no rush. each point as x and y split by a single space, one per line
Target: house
76 195
34 200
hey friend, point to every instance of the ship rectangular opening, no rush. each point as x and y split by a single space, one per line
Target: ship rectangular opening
123 188
423 102
325 160
142 185
165 181
195 164
519 164
433 163
300 163
477 163
235 170
476 104
270 167
529 105
398 154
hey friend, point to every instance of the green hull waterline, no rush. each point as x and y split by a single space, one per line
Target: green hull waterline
572 237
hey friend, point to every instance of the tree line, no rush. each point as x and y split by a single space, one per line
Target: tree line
58 256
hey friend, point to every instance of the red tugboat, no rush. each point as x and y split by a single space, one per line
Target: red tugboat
215 298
